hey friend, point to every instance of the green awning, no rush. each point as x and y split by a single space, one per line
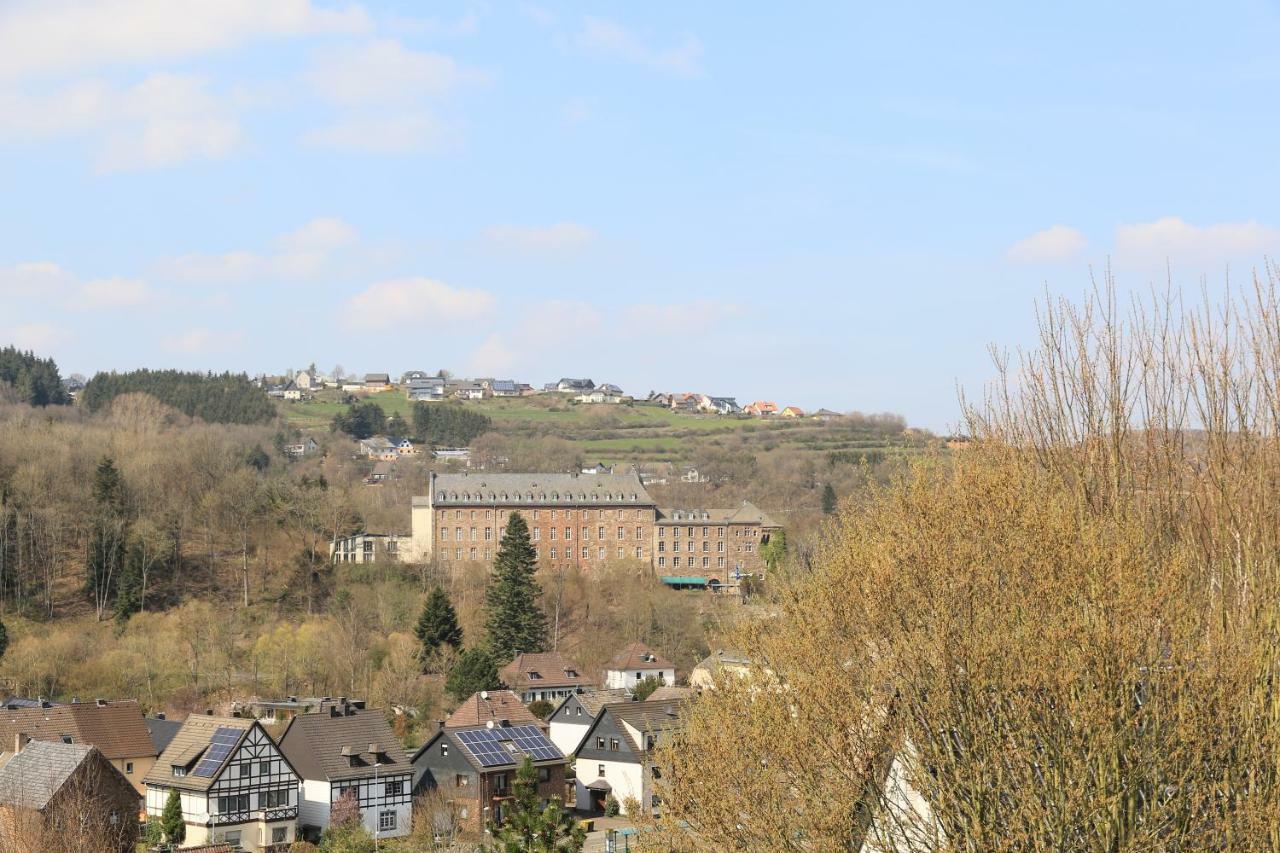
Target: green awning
684 580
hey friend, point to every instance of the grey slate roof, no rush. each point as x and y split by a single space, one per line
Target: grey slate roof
33 776
162 732
541 489
593 700
746 513
315 743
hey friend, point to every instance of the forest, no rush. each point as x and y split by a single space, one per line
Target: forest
225 398
27 379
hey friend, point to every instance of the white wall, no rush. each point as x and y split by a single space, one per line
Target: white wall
615 678
567 736
313 803
625 777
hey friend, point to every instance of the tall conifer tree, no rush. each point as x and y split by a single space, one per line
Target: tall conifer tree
513 618
437 627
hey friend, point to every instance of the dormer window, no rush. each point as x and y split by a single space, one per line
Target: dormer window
572 673
179 771
533 675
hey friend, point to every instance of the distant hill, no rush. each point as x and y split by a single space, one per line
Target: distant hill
225 398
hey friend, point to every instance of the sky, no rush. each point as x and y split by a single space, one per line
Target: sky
826 204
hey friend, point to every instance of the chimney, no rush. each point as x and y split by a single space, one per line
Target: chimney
351 710
19 741
160 716
334 713
208 712
484 694
101 703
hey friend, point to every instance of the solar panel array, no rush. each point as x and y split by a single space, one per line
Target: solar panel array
220 745
490 746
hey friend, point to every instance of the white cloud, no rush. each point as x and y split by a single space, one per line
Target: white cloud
680 318
396 134
1054 245
193 341
114 292
32 278
164 120
58 36
382 70
1175 240
301 254
493 357
392 303
557 238
39 337
610 38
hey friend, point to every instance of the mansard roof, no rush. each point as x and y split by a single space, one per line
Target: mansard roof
619 489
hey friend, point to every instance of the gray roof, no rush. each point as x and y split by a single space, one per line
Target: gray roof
746 513
33 776
541 489
162 731
504 385
320 746
594 700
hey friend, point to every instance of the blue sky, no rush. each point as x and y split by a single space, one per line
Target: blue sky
831 205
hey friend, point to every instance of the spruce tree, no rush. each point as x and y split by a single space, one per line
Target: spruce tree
475 670
828 500
175 828
513 618
529 825
437 627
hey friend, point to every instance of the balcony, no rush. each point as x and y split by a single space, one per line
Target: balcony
264 815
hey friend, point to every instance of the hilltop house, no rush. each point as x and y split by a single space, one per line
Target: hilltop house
67 793
575 714
474 768
375 382
504 388
117 729
543 676
427 389
635 663
235 786
761 408
600 395
722 405
614 757
500 707
349 748
573 386
793 412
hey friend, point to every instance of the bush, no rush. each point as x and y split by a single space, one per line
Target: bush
611 808
541 709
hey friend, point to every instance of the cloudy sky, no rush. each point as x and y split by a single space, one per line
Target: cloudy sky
841 204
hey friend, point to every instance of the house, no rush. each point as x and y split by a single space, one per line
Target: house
504 388
66 796
599 395
308 380
693 475
491 706
302 448
117 729
235 786
379 447
272 712
598 468
610 389
687 403
543 676
375 382
367 547
615 756
162 729
715 666
454 454
575 714
409 377
792 412
826 415
380 472
573 386
469 391
427 389
722 405
474 769
761 408
635 663
354 749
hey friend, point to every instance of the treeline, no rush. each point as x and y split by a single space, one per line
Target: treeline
437 424
226 398
35 381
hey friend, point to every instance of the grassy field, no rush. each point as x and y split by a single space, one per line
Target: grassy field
634 433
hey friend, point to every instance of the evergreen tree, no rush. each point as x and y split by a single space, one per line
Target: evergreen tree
4 639
257 458
828 500
35 380
475 670
108 535
175 829
437 626
644 688
532 828
513 618
397 425
360 420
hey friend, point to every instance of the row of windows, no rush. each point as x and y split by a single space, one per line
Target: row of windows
237 803
690 562
706 546
460 536
527 497
601 514
586 533
473 554
706 531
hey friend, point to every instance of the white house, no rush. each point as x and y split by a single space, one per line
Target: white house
575 714
349 748
635 663
234 785
614 757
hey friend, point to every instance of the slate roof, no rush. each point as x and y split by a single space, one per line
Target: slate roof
746 513
490 705
117 729
162 732
33 776
541 489
593 700
652 716
191 741
319 746
554 671
638 656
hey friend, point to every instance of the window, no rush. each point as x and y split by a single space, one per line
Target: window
720 562
662 532
553 553
639 552
613 744
720 532
706 546
234 803
552 531
639 532
600 772
706 561
444 748
473 534
662 547
179 771
534 675
128 767
444 534
462 780
568 533
586 553
386 821
600 744
720 547
279 834
535 515
463 812
586 532
622 532
393 789
264 767
488 534
578 710
473 553
544 774
662 561
622 552
602 553
232 837
537 534
274 799
600 532
68 739
115 817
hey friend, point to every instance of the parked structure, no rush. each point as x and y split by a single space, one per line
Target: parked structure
544 676
235 786
117 729
64 794
350 749
635 663
615 756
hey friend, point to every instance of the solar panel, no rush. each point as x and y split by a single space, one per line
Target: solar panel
484 745
534 743
220 745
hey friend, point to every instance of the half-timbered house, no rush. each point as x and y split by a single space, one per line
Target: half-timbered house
235 785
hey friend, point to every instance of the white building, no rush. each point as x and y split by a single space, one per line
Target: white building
367 548
635 663
614 758
348 748
234 785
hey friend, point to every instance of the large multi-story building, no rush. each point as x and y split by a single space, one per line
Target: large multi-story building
583 521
